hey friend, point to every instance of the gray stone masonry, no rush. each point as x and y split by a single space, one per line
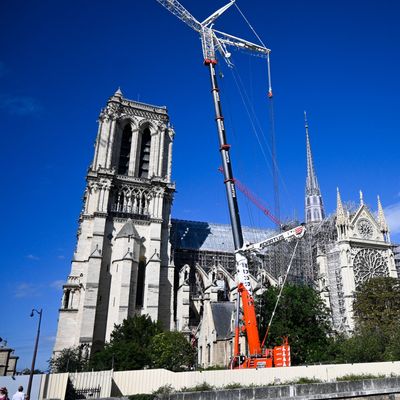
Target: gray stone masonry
388 388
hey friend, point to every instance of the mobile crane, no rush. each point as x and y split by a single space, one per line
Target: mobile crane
213 40
258 357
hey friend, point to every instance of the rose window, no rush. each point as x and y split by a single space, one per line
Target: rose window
369 264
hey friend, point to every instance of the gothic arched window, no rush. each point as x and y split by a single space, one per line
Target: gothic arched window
144 159
67 293
140 283
124 154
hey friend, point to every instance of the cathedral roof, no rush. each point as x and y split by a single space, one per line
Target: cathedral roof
128 230
196 235
222 316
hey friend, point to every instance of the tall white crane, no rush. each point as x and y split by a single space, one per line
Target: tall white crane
212 41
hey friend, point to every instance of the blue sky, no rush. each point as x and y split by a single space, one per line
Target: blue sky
60 61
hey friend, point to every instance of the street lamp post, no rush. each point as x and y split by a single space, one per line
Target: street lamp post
28 391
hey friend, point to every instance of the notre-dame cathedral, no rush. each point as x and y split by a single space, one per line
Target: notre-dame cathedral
131 258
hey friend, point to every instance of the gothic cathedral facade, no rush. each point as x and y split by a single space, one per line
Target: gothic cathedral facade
122 261
349 248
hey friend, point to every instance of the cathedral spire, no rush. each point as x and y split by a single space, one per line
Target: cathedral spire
341 215
381 218
361 198
312 186
313 201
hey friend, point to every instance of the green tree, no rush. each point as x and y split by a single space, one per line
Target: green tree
68 360
303 317
129 347
377 323
27 371
172 351
377 305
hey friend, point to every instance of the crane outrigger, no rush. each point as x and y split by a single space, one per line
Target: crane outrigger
213 40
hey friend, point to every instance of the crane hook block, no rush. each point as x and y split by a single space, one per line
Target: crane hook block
270 95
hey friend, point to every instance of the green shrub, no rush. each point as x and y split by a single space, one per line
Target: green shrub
353 377
202 387
141 396
233 385
302 381
166 389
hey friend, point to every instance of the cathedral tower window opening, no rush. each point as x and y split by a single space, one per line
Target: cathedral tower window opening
131 200
140 283
144 159
67 293
124 154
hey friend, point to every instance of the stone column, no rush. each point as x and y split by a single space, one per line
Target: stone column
154 144
161 152
91 282
133 157
110 148
169 167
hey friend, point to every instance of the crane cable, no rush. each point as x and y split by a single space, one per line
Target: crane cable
263 44
280 294
275 170
255 121
235 137
250 110
250 26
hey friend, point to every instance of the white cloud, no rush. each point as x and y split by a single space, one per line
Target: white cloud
57 284
32 257
20 105
26 290
61 257
392 214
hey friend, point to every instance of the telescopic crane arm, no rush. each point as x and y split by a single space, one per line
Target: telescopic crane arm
245 290
295 233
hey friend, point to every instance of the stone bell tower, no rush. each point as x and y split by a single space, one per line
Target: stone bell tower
121 265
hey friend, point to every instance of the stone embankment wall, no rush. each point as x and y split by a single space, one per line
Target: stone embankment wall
103 384
376 389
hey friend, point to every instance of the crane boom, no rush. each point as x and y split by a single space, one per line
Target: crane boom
297 233
243 274
211 39
241 43
179 11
